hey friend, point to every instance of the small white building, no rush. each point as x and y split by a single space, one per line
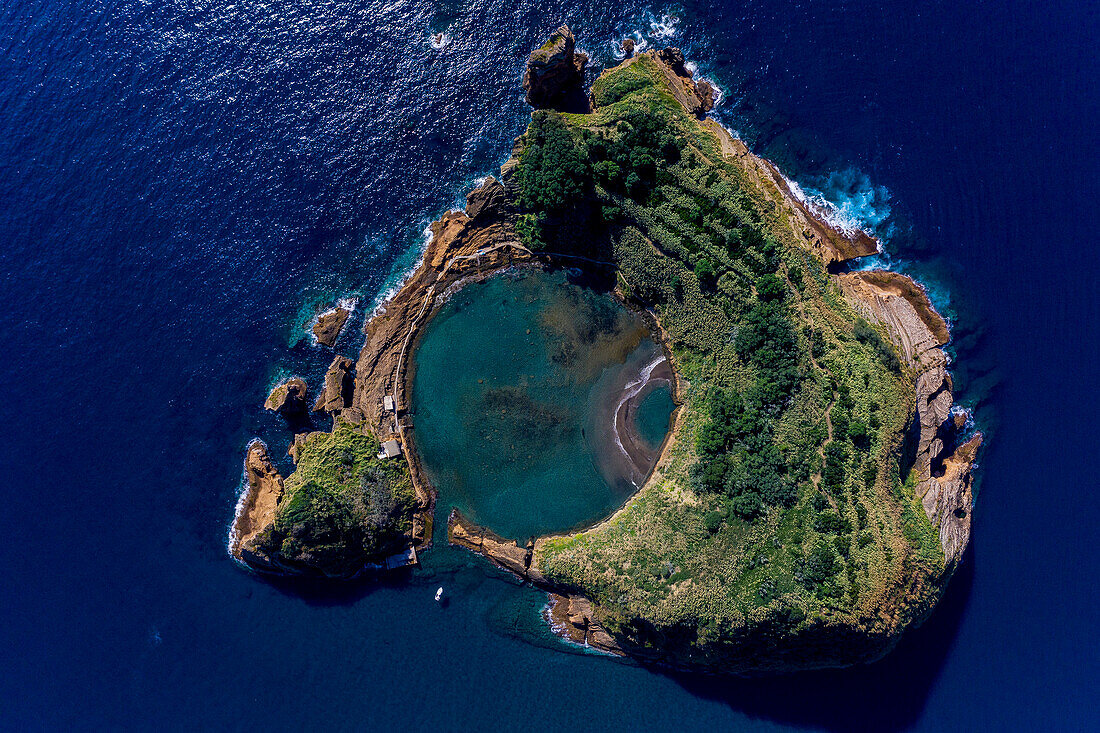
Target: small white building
390 449
389 403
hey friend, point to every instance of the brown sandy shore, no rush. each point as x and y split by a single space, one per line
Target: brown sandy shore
481 240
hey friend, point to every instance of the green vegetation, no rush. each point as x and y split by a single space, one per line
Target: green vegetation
781 507
342 507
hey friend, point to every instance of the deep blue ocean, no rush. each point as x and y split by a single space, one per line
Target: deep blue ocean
182 183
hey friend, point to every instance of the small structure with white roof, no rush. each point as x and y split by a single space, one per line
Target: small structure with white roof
390 449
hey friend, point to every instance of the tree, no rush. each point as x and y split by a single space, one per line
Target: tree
704 271
552 174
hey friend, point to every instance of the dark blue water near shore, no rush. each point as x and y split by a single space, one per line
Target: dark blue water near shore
180 183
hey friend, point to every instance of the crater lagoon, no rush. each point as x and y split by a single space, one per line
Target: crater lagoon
539 402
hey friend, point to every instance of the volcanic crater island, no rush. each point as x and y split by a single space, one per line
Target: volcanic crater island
636 373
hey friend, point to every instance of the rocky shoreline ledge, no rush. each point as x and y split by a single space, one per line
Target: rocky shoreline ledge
372 397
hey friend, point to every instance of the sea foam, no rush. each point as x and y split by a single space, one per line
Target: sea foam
847 200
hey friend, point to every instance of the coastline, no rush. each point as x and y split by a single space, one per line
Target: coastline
481 241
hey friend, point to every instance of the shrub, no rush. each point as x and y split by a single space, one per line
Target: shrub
833 474
770 287
529 229
866 334
831 523
704 271
858 433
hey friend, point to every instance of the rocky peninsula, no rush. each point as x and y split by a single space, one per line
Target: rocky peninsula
813 496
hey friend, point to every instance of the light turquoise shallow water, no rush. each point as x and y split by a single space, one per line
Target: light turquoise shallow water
505 401
651 419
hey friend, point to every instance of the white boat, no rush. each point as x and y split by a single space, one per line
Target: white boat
439 593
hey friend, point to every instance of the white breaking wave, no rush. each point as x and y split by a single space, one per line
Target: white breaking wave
847 200
663 27
393 283
653 27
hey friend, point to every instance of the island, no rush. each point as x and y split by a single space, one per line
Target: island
812 496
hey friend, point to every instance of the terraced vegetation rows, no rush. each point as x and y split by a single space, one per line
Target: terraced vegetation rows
784 506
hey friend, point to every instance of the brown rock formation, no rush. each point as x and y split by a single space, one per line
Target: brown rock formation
256 509
943 475
573 617
487 201
555 73
697 97
287 397
628 47
329 325
503 553
289 400
339 387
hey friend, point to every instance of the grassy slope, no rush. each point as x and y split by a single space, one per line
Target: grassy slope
676 563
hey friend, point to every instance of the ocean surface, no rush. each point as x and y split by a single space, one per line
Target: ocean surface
183 184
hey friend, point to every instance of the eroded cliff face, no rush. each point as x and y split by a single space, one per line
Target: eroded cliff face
258 504
943 468
696 96
338 390
827 243
329 325
555 74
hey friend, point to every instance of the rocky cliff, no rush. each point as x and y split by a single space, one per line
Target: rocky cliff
555 74
256 509
660 611
943 467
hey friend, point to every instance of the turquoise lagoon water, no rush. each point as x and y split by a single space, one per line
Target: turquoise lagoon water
654 411
514 380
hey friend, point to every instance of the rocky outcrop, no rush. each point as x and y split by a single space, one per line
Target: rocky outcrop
339 387
697 97
256 509
288 399
571 615
943 471
463 244
574 617
329 325
554 77
503 553
628 47
486 202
